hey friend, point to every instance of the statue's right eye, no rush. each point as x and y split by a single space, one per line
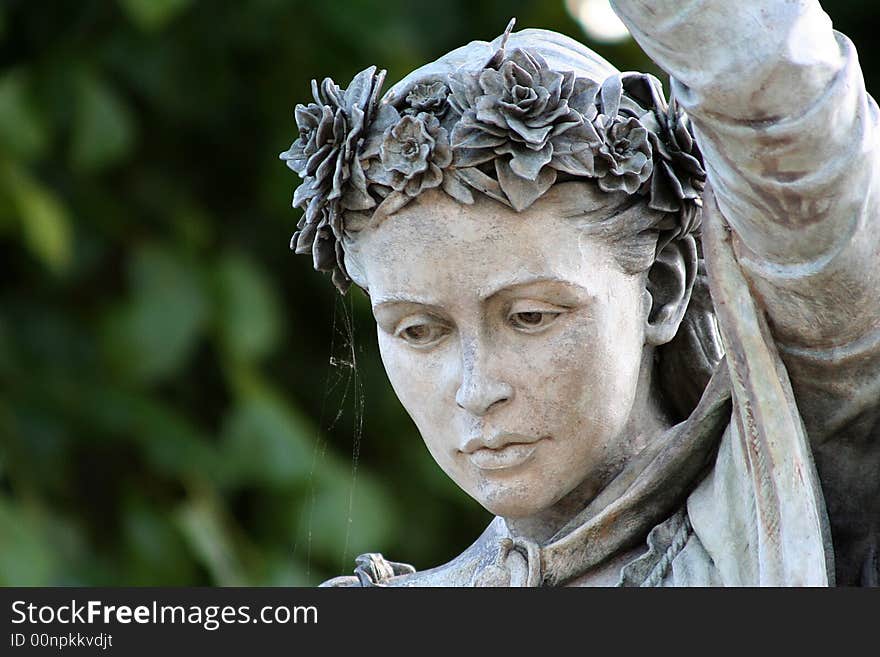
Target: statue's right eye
417 333
421 333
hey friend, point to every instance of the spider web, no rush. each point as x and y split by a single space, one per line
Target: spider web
342 379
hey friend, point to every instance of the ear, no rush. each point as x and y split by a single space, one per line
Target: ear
668 289
353 265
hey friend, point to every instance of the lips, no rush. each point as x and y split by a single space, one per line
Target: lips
501 452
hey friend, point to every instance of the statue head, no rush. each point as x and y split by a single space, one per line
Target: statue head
522 216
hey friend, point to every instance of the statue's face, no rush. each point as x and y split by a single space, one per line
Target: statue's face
513 340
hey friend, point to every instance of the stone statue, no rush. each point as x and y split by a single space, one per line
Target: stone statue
644 334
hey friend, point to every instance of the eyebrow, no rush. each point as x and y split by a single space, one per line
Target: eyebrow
516 283
506 286
394 300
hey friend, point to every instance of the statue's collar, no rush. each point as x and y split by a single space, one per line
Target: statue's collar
650 489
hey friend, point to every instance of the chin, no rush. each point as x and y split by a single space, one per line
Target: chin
516 499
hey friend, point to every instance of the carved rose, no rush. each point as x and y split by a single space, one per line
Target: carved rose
413 154
325 156
325 153
520 107
428 97
624 159
679 178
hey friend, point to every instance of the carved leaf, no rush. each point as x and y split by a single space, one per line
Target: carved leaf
520 191
483 183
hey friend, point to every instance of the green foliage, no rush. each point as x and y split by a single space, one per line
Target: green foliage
153 14
43 220
248 318
151 334
103 130
23 131
169 413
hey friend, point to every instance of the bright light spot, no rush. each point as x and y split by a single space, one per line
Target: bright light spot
598 20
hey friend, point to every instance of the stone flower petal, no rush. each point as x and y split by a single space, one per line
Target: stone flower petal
610 93
487 112
295 157
492 84
467 137
534 136
662 196
356 195
464 90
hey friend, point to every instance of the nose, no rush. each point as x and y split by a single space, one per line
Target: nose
479 392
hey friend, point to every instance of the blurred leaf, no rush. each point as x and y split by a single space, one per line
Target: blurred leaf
23 131
45 224
208 534
171 444
103 129
248 315
7 354
41 460
156 549
265 443
152 335
25 555
151 15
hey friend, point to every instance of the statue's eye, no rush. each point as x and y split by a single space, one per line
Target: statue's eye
421 333
531 321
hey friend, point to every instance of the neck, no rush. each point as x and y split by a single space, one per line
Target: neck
647 421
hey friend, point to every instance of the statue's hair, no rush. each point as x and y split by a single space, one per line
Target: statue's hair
637 235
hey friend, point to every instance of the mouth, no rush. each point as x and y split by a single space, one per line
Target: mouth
502 452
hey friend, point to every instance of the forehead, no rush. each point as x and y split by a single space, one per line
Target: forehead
436 246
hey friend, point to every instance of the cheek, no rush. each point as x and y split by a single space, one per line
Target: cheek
579 384
421 382
407 384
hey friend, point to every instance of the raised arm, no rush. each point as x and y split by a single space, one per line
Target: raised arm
789 136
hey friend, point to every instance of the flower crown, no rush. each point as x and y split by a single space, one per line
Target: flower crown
508 131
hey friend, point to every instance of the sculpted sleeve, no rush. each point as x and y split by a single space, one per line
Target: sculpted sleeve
789 136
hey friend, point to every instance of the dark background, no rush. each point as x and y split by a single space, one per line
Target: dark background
177 400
